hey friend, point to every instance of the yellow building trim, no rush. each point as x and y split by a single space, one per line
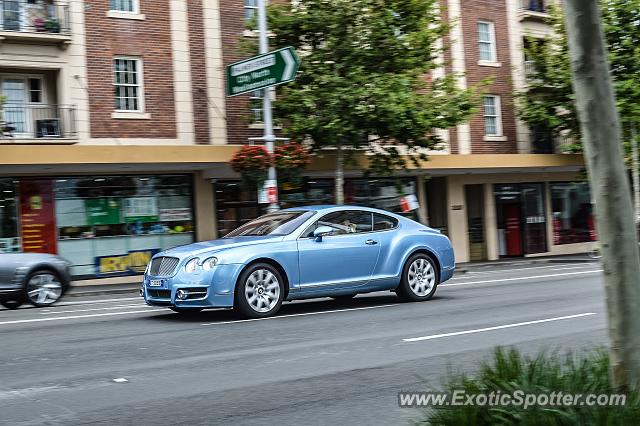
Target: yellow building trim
113 154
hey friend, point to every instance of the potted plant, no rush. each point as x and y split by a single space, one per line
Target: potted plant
290 160
252 162
39 25
52 25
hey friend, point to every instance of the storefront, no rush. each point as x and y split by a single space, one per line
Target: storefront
521 219
104 225
237 205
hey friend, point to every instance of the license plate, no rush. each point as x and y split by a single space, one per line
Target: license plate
155 283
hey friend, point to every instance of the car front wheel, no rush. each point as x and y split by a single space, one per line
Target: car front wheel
419 279
43 288
260 291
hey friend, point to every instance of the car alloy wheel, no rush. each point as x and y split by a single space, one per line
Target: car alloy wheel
262 290
43 288
421 277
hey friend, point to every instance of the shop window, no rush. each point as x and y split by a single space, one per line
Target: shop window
111 225
573 220
9 236
381 193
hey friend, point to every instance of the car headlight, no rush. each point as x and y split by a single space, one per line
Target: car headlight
191 265
208 264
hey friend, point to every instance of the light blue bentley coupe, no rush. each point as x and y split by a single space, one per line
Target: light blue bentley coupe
301 253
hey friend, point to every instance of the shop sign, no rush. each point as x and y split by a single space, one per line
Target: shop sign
409 203
37 216
103 211
140 209
174 215
268 194
133 262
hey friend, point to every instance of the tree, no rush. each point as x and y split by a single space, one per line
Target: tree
548 102
362 82
601 135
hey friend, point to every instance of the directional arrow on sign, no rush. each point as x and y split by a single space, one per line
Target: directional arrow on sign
258 72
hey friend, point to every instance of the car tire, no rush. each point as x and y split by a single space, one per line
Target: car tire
11 304
185 310
43 287
259 291
420 278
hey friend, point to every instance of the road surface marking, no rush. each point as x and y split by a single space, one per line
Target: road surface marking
522 278
497 327
120 380
53 312
557 265
90 302
107 314
301 314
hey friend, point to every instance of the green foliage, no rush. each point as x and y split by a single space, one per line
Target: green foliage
362 80
548 104
510 371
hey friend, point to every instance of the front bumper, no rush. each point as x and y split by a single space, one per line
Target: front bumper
210 289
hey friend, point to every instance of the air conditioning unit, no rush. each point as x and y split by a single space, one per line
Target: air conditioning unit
48 128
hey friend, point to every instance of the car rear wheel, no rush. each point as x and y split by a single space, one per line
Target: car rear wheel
419 279
11 304
43 288
260 291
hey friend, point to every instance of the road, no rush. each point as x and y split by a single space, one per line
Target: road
116 361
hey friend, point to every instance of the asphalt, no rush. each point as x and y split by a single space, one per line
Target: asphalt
317 363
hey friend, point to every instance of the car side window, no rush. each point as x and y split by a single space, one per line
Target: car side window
382 222
344 222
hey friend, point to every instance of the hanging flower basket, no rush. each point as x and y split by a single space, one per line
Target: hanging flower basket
291 159
252 162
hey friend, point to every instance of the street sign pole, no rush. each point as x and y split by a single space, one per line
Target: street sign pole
269 137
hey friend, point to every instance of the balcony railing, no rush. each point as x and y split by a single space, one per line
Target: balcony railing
20 121
539 6
34 16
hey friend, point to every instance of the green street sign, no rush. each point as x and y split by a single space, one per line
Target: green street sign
270 69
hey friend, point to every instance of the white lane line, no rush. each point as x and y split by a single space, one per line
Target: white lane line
498 327
107 314
91 302
53 312
534 277
301 315
557 265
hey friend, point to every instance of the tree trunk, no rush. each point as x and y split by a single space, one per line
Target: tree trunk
635 163
339 175
615 222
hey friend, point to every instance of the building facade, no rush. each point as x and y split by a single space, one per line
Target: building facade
116 136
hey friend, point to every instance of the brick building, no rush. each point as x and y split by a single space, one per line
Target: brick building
115 121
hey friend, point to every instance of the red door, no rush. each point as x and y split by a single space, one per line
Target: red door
514 231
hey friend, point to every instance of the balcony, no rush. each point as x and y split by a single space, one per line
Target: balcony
536 10
37 123
35 22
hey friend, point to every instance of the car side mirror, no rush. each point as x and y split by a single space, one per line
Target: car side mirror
321 231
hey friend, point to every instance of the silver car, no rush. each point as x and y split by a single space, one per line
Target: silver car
38 278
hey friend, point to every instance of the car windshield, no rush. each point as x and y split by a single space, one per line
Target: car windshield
281 223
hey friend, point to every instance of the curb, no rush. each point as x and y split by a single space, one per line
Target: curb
467 267
88 291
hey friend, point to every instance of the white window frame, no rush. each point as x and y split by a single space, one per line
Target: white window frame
245 8
127 14
491 42
140 85
135 3
497 115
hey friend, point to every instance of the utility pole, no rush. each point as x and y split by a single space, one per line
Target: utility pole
602 137
269 137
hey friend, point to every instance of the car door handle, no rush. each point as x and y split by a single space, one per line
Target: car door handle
371 242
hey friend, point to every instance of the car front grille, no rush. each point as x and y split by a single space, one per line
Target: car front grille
163 266
159 294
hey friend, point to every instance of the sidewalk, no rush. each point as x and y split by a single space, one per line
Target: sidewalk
131 285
